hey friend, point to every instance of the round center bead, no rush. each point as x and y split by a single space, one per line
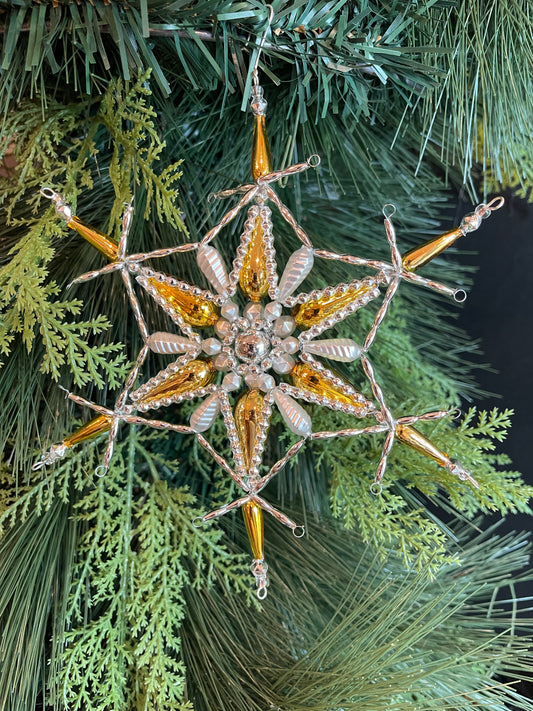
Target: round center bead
251 346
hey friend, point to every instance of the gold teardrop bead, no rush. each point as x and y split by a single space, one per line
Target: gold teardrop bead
253 277
96 426
314 311
424 253
196 374
101 241
261 156
253 520
305 377
416 440
248 412
193 309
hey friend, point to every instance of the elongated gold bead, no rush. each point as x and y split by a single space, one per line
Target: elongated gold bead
196 374
101 241
253 277
305 377
261 156
415 439
253 520
424 253
248 411
96 426
194 309
314 311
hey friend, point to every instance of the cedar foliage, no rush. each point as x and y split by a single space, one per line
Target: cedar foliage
109 598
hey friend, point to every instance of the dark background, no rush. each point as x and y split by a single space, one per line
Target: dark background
498 313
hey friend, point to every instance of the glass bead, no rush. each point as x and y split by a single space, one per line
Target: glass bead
193 309
261 156
96 426
272 311
248 419
424 253
314 311
211 346
102 242
229 311
196 374
305 377
253 277
284 326
416 440
253 520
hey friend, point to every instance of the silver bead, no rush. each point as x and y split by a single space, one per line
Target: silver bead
294 416
265 382
284 326
211 346
272 311
251 346
252 311
231 381
290 345
344 350
169 343
205 414
252 380
298 267
283 364
222 362
222 328
211 263
229 311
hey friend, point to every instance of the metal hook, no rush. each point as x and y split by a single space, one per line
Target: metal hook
255 76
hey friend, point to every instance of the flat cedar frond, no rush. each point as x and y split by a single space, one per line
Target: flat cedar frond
137 553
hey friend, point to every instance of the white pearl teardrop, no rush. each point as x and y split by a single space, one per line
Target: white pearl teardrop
161 342
204 415
211 263
342 349
298 267
295 417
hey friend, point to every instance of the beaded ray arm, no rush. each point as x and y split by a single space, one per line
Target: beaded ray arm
270 355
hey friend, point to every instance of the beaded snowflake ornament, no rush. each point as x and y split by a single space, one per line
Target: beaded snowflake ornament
273 354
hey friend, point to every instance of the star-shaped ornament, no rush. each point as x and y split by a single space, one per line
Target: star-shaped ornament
275 353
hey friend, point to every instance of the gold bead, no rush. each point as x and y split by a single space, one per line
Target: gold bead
194 375
305 377
96 426
316 310
248 411
254 275
416 440
261 157
193 309
253 520
101 241
424 253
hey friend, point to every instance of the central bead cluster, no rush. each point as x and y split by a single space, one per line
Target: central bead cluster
254 343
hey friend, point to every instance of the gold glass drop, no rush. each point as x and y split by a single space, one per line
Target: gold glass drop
415 439
314 311
253 277
101 241
306 377
261 157
247 418
96 426
194 375
424 253
194 309
253 520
